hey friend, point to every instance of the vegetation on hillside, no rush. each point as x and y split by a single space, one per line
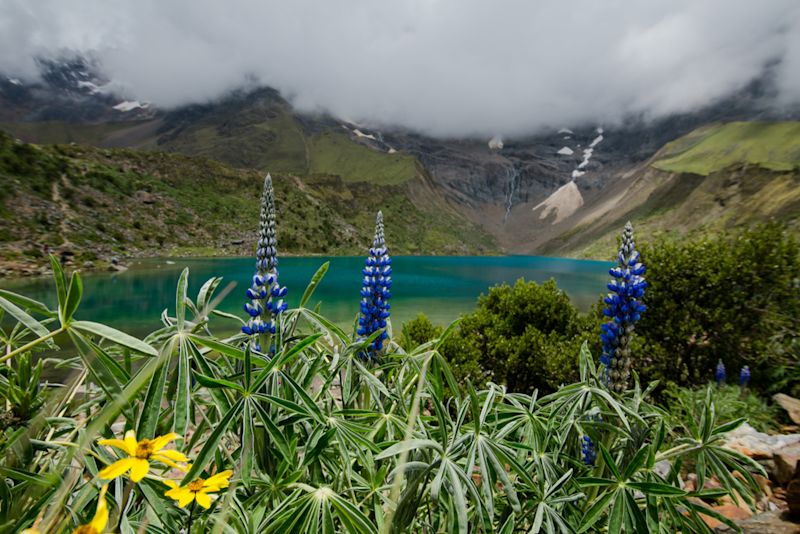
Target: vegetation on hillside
771 145
98 203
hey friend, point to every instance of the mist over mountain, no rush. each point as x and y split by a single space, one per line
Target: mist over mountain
445 68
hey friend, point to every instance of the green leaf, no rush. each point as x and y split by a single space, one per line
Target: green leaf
73 297
29 304
61 286
112 334
218 346
211 382
609 461
655 488
407 445
206 454
183 391
151 408
30 323
315 280
180 298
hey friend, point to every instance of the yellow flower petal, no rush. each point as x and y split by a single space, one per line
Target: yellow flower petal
116 469
139 469
185 498
119 444
220 480
172 455
162 441
170 483
203 499
100 519
130 440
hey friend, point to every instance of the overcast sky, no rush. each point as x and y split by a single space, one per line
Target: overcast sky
446 67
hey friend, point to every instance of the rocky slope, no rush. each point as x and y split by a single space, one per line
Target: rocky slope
91 205
559 192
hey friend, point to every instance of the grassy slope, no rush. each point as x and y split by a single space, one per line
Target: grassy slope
774 146
715 178
101 202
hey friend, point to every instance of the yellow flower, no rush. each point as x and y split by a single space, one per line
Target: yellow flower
139 454
198 490
100 519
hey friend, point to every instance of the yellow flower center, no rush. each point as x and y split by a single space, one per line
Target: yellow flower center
196 485
144 449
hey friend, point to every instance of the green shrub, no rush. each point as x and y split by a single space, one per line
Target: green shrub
521 336
717 299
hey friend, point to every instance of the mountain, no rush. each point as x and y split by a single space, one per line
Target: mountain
560 192
90 205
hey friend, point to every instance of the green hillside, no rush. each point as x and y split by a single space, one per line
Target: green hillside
97 203
716 178
770 145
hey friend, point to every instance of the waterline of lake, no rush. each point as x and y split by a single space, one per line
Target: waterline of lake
442 287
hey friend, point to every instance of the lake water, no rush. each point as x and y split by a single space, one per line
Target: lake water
441 287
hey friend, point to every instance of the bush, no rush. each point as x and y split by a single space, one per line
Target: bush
524 336
717 299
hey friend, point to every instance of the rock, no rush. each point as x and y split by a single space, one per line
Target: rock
786 460
793 497
758 445
731 511
88 265
790 404
774 522
145 197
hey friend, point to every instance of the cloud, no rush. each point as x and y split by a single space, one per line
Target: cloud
446 67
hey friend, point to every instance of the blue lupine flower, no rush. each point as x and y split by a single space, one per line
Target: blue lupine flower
265 293
375 292
744 376
588 452
623 307
719 373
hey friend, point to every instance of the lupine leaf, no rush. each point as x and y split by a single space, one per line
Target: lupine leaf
180 298
112 334
312 285
207 452
74 295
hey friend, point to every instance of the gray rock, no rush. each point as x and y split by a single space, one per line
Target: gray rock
767 523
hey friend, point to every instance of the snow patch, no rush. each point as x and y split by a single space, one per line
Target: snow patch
359 133
15 81
93 89
565 201
130 105
566 131
596 141
565 151
577 174
496 143
391 150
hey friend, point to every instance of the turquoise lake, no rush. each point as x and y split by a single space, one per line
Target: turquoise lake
442 287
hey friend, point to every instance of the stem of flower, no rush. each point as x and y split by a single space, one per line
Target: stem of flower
32 344
191 518
126 498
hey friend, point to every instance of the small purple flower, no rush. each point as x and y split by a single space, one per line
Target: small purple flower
624 307
265 294
744 376
588 452
719 373
375 292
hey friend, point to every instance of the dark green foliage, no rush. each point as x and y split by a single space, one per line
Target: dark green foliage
524 336
717 299
417 331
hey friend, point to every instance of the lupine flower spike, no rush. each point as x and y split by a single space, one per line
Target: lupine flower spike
623 307
588 452
744 376
100 520
198 490
719 373
265 294
140 454
375 292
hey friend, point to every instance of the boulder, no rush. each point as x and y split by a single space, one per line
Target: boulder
774 522
758 445
790 404
786 459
